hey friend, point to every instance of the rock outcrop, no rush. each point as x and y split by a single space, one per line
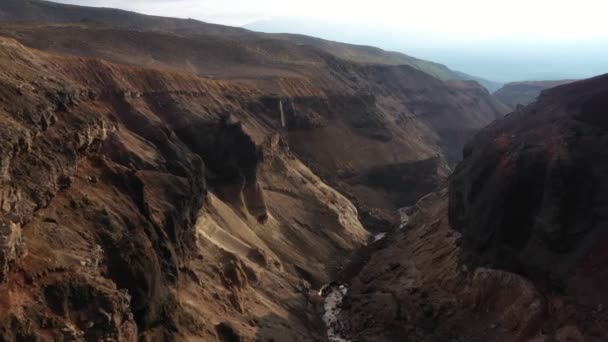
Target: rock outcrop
141 201
530 195
513 250
11 245
524 93
413 285
140 204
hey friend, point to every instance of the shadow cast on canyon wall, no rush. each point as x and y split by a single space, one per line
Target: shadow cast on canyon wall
307 325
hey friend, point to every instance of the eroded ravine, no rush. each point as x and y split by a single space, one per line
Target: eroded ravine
98 154
335 316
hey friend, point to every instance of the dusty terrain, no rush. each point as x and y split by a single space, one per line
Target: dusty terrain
538 176
414 286
47 12
513 250
183 211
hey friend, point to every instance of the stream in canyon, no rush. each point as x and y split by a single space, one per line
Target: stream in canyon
334 293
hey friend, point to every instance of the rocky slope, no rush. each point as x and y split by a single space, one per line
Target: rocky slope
514 250
46 11
373 55
530 194
412 286
121 221
524 93
340 115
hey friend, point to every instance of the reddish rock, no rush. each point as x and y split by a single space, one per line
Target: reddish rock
530 195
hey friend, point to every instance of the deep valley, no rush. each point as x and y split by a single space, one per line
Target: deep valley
170 180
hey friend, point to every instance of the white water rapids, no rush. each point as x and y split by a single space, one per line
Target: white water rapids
334 294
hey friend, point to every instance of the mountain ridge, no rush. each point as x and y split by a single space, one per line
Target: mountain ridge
525 92
513 248
301 74
40 10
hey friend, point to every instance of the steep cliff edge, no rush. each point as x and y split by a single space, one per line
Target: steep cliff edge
412 286
530 194
182 187
339 115
514 250
524 93
121 220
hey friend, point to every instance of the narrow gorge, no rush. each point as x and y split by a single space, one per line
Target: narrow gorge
170 180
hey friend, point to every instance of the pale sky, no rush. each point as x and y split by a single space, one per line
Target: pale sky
469 19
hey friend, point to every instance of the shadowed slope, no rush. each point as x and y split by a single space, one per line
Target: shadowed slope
530 194
524 93
118 222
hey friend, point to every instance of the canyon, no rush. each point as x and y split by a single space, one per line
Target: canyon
170 180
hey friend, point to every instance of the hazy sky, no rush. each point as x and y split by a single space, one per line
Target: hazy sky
502 40
472 19
477 19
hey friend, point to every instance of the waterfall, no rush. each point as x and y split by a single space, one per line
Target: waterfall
283 123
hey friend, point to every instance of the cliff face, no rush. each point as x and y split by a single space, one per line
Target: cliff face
112 199
524 93
188 185
340 115
529 195
513 250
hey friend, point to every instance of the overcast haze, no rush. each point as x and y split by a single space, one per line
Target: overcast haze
500 40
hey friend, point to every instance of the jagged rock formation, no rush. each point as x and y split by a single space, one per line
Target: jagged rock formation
11 245
529 195
514 250
379 113
412 285
111 198
524 93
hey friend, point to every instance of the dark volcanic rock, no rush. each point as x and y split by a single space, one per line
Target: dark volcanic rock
405 183
531 193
